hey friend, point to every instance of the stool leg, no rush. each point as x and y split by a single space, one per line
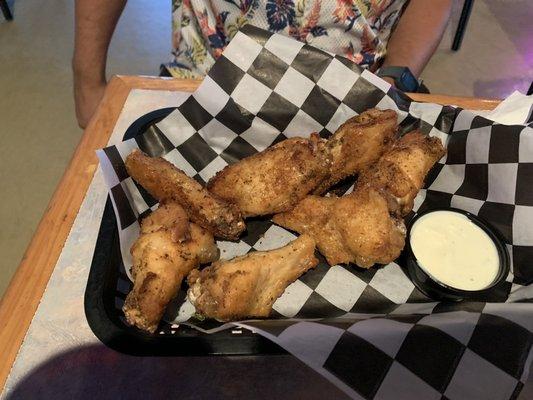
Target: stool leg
5 10
463 21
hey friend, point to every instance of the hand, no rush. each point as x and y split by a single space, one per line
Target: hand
87 96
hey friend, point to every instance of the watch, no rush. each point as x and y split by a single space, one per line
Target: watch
403 78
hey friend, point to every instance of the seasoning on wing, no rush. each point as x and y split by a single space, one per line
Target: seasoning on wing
312 216
353 228
275 179
166 182
359 227
401 172
248 286
357 144
168 248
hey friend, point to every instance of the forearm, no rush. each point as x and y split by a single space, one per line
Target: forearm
95 22
418 34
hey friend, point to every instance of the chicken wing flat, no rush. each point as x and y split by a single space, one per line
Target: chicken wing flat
248 286
359 227
357 144
275 179
166 182
400 173
168 248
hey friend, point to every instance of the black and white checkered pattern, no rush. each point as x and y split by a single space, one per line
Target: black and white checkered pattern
265 88
415 352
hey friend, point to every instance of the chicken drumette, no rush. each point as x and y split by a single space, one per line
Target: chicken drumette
168 248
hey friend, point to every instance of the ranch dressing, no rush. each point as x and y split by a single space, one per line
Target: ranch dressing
454 251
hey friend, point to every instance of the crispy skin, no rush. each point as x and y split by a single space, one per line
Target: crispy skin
167 249
400 173
358 143
369 233
359 227
275 179
353 228
166 182
312 216
168 217
248 286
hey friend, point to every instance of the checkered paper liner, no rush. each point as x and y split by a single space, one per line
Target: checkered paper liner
371 332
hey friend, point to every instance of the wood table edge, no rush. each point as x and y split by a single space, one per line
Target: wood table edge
468 103
25 290
472 103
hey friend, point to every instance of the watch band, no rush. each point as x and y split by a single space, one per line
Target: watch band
403 77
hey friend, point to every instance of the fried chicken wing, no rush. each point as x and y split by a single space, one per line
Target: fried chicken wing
353 228
400 173
369 233
359 227
166 182
248 286
275 179
169 217
357 144
166 250
312 216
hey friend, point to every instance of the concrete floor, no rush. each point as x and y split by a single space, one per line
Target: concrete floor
37 123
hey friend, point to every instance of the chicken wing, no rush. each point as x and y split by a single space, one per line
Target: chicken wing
369 233
166 182
312 216
248 286
357 144
167 249
359 227
353 228
400 173
275 179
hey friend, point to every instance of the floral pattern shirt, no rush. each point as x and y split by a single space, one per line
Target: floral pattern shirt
357 29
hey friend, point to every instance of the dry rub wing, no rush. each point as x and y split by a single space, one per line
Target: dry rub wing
369 233
401 172
275 179
312 216
166 182
167 249
248 286
354 228
359 227
357 144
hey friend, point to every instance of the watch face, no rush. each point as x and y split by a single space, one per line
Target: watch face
408 81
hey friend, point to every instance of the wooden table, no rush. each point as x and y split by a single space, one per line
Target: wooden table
29 282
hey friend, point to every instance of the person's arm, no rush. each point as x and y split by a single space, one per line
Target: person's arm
95 22
418 34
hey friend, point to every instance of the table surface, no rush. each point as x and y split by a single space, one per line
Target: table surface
26 289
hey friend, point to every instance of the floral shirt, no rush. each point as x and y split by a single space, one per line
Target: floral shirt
357 29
